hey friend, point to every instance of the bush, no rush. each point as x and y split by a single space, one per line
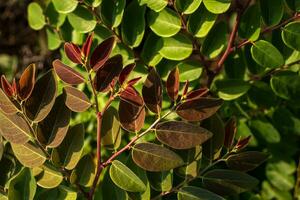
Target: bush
156 100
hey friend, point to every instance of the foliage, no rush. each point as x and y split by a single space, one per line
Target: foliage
185 98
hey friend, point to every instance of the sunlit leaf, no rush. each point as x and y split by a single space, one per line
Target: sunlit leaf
76 100
230 89
187 6
49 177
65 6
111 129
217 6
6 105
26 82
36 18
82 20
156 5
112 12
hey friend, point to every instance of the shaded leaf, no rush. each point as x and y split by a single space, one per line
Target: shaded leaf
49 177
111 129
152 91
195 94
228 182
198 109
6 105
112 12
187 6
161 181
196 193
29 154
73 52
150 52
76 100
250 23
230 89
39 104
264 130
190 70
26 82
108 73
6 87
86 47
291 35
14 128
153 157
125 73
124 178
181 135
67 74
173 84
101 53
230 131
53 129
69 152
242 143
272 11
22 186
246 161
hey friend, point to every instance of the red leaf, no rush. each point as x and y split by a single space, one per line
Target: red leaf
132 96
242 143
197 93
125 73
66 73
230 131
110 71
152 91
185 88
101 53
73 52
26 82
86 47
7 87
133 81
173 84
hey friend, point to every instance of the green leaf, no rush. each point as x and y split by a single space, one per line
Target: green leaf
22 186
112 12
49 177
235 65
291 35
161 181
150 52
124 178
289 124
55 18
82 20
266 55
53 129
133 24
69 152
262 95
29 154
42 98
53 39
178 47
156 5
293 4
217 6
165 23
14 128
153 157
189 70
272 11
228 182
66 193
201 22
196 193
6 105
65 6
215 41
250 23
181 135
36 18
265 131
111 129
85 172
187 6
286 85
229 89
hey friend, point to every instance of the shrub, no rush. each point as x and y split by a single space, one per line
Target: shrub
135 108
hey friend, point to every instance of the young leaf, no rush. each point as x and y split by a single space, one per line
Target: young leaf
152 91
196 193
6 105
246 161
22 186
6 87
101 53
73 52
39 104
108 73
14 128
53 129
228 182
173 84
26 82
69 152
125 73
67 74
195 94
86 47
29 154
76 100
155 158
198 109
230 131
124 178
242 143
49 177
181 135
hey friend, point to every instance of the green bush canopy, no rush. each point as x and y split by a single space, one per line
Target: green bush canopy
156 100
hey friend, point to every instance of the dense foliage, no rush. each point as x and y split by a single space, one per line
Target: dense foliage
156 99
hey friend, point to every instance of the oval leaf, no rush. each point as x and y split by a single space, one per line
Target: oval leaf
73 52
112 12
231 89
124 178
67 74
82 20
76 100
181 135
26 82
173 84
195 193
36 18
6 105
291 35
65 6
153 157
49 177
187 6
272 11
217 6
